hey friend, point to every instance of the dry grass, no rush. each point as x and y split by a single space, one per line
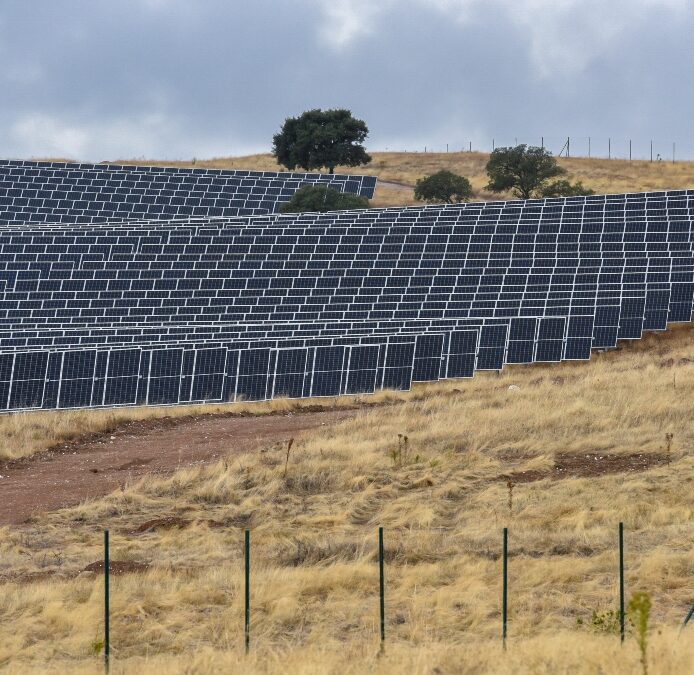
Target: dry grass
602 175
26 433
443 501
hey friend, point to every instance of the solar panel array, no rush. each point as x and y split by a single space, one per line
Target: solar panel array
59 192
220 309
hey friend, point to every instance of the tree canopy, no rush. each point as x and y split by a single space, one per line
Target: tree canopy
321 138
564 188
443 187
523 169
321 198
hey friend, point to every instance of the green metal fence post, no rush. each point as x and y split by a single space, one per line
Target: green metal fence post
247 626
504 597
107 608
621 581
382 587
689 616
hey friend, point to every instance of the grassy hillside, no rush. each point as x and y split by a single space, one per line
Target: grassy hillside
584 445
602 175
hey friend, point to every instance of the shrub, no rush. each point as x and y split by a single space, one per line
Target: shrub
564 188
443 187
319 198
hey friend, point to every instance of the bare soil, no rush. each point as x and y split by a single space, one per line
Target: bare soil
587 465
92 467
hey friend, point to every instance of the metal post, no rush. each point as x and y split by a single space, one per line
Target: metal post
689 616
504 599
470 146
492 145
621 581
107 609
247 624
542 142
568 147
630 149
588 147
446 147
673 153
382 586
609 148
651 151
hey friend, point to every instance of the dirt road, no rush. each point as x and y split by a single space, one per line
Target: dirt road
67 475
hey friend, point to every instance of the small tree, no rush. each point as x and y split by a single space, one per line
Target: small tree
563 188
523 170
319 138
443 186
320 198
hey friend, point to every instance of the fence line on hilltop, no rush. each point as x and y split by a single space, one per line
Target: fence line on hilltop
595 147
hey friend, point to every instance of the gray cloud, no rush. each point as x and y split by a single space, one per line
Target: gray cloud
96 79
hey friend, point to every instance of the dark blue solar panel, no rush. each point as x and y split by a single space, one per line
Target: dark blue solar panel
471 286
362 372
290 372
34 192
427 358
253 374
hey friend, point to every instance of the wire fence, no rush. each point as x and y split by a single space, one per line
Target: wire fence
504 582
598 147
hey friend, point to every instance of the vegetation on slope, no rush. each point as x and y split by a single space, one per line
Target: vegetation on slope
584 445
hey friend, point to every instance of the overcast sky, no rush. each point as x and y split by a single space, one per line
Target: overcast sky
174 79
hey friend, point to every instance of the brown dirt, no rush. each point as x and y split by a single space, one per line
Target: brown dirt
166 523
117 566
95 466
586 465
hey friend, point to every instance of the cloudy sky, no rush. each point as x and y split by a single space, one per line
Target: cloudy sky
172 79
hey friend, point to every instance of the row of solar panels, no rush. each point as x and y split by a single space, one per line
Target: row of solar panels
438 274
358 361
324 304
205 373
623 300
54 192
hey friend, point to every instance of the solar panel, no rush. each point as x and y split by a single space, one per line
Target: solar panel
56 192
217 309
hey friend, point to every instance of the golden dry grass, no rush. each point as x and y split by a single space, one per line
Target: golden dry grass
442 501
25 433
602 175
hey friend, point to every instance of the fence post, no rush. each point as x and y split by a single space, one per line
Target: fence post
621 581
470 146
630 149
247 622
382 587
651 151
689 616
107 608
588 147
504 598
